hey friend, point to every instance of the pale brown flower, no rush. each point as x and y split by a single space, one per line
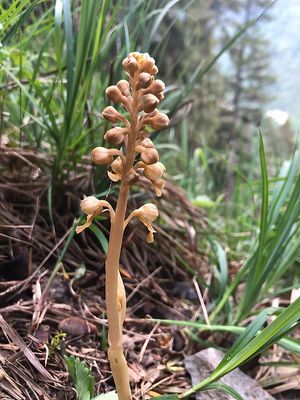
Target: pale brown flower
115 94
93 207
146 214
111 114
124 87
154 171
117 167
115 136
102 155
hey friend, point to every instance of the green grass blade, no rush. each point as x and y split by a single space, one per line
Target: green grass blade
225 388
287 343
100 236
286 319
163 12
258 266
14 17
249 333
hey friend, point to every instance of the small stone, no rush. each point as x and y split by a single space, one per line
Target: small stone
77 326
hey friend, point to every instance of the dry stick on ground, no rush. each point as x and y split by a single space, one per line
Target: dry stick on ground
16 339
139 97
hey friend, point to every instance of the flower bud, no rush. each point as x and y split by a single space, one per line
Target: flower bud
149 156
135 54
154 171
130 65
115 136
147 63
114 94
89 204
153 113
101 155
144 80
124 87
156 86
147 142
149 102
153 70
111 114
160 96
159 121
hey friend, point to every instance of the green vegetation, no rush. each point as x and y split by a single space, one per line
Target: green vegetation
83 379
57 59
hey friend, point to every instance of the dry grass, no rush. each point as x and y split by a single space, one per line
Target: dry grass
157 278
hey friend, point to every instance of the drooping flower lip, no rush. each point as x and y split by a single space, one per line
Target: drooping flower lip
93 207
146 214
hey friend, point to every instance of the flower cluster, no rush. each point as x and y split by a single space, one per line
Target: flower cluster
133 153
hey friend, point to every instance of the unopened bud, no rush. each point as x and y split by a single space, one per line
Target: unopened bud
101 155
89 204
144 81
156 87
159 121
115 136
147 142
149 156
130 65
154 171
114 94
153 70
124 87
160 96
135 54
111 114
149 103
147 64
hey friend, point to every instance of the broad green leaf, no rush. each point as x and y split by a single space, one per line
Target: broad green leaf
82 377
100 236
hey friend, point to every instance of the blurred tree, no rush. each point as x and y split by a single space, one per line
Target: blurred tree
248 76
191 45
